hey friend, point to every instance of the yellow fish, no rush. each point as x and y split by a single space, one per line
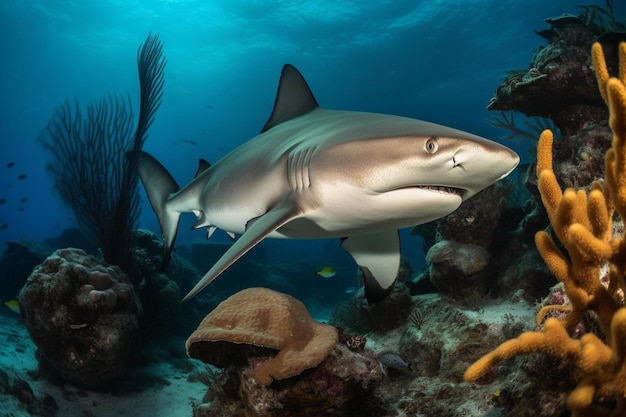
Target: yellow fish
13 305
327 272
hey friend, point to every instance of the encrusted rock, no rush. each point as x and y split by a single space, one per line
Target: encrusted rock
82 315
338 387
459 270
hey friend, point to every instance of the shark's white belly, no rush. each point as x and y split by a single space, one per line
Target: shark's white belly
345 210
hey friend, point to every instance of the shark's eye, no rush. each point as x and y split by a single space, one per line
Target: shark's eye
431 145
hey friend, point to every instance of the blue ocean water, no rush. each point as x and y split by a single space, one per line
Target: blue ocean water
433 60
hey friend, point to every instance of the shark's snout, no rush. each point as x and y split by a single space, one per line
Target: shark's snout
477 163
503 160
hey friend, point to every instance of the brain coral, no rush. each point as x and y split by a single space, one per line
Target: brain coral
269 319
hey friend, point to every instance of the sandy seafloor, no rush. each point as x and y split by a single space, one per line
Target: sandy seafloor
165 390
161 386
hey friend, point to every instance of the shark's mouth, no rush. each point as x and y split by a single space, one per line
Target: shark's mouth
444 189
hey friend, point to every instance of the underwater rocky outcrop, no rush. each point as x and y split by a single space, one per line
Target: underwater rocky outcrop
83 316
559 84
158 291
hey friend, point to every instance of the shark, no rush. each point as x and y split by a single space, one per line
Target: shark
317 173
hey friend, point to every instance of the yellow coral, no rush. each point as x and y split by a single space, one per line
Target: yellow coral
583 224
602 73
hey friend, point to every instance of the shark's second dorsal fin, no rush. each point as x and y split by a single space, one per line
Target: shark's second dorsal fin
294 98
203 165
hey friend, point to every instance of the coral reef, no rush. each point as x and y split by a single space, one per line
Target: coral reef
530 130
82 315
159 292
264 318
582 222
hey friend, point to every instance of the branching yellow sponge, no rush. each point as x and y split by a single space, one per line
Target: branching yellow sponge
582 222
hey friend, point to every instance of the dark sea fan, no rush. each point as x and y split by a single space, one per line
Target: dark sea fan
95 158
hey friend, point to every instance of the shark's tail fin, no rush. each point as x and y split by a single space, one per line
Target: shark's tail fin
160 185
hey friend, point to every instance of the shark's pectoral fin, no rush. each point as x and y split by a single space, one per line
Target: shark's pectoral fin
256 230
378 256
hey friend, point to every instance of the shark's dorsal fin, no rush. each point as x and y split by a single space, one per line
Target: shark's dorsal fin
294 98
203 165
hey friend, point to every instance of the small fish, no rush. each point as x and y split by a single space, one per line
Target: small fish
3 200
349 290
3 226
13 305
24 199
21 176
189 141
20 209
394 361
10 164
327 272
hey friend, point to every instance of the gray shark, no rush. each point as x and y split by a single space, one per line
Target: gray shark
319 173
